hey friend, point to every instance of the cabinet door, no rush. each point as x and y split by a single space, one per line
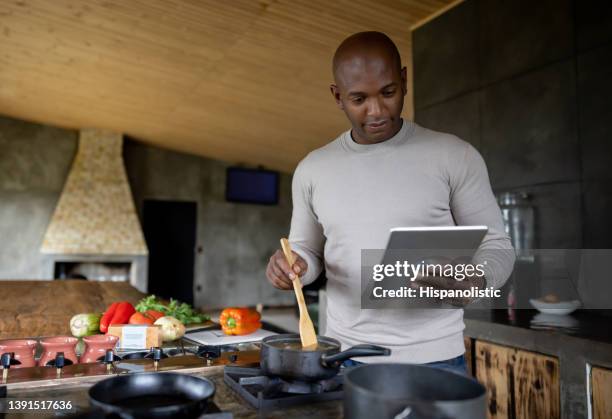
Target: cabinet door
520 384
493 368
601 383
536 385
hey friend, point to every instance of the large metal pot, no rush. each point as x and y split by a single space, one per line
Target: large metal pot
281 356
404 391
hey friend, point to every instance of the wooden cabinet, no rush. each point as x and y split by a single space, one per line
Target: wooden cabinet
493 370
469 354
536 385
520 384
601 385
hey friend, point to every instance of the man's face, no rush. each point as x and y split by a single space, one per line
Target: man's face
370 90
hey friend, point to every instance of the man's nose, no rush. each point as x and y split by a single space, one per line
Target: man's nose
374 107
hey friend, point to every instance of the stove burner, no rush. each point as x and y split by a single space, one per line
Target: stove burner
208 351
275 385
264 392
149 354
213 351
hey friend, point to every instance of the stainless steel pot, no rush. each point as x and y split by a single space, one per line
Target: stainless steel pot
319 364
405 391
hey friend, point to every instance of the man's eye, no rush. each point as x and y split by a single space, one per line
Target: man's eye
357 100
389 93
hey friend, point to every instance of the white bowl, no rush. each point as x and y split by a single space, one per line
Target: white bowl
559 308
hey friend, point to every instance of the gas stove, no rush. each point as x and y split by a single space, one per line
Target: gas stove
181 358
265 393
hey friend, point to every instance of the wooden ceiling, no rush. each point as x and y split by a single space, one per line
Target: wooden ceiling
246 81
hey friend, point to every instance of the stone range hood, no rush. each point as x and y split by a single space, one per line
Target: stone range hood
95 219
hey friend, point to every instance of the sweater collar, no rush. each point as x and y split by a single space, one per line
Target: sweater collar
404 133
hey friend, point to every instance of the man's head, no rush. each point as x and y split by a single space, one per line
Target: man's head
370 85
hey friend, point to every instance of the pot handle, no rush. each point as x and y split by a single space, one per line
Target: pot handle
428 411
335 360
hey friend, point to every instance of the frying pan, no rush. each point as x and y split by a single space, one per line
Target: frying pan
152 395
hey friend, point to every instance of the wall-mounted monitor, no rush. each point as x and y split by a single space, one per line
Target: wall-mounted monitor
254 186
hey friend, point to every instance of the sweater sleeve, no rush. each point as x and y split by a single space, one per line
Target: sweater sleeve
306 234
473 203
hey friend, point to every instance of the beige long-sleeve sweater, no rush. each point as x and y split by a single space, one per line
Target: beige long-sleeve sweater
346 197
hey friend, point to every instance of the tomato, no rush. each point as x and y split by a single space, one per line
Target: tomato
140 318
154 314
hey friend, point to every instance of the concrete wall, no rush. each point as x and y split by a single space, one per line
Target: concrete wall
529 84
236 239
34 162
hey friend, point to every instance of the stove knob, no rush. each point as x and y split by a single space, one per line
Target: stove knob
60 362
233 358
8 359
157 354
109 358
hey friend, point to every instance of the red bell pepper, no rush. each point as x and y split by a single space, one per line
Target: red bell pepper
122 314
107 316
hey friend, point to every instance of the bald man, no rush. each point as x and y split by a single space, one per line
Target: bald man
385 172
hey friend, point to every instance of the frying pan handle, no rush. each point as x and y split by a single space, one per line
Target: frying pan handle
335 360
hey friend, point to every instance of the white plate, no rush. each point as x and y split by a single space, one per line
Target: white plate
217 337
554 320
560 308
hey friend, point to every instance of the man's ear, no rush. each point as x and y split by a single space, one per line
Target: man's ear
404 75
336 94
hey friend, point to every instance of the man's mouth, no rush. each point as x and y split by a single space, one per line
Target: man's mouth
376 125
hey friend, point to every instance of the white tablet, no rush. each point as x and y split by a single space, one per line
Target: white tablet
464 239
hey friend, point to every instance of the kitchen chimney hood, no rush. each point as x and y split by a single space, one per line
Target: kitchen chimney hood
95 213
95 219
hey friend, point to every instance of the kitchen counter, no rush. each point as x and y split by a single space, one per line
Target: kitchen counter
590 344
591 341
32 308
224 397
587 325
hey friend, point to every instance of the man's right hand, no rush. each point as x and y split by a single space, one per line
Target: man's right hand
280 274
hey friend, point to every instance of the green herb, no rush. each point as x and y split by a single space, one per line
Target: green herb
181 311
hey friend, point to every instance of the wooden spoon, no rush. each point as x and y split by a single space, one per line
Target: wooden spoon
307 332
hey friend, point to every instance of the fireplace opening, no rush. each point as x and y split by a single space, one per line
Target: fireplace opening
93 271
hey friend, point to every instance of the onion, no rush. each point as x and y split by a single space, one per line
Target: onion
171 328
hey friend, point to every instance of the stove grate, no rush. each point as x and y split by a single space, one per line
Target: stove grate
265 393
